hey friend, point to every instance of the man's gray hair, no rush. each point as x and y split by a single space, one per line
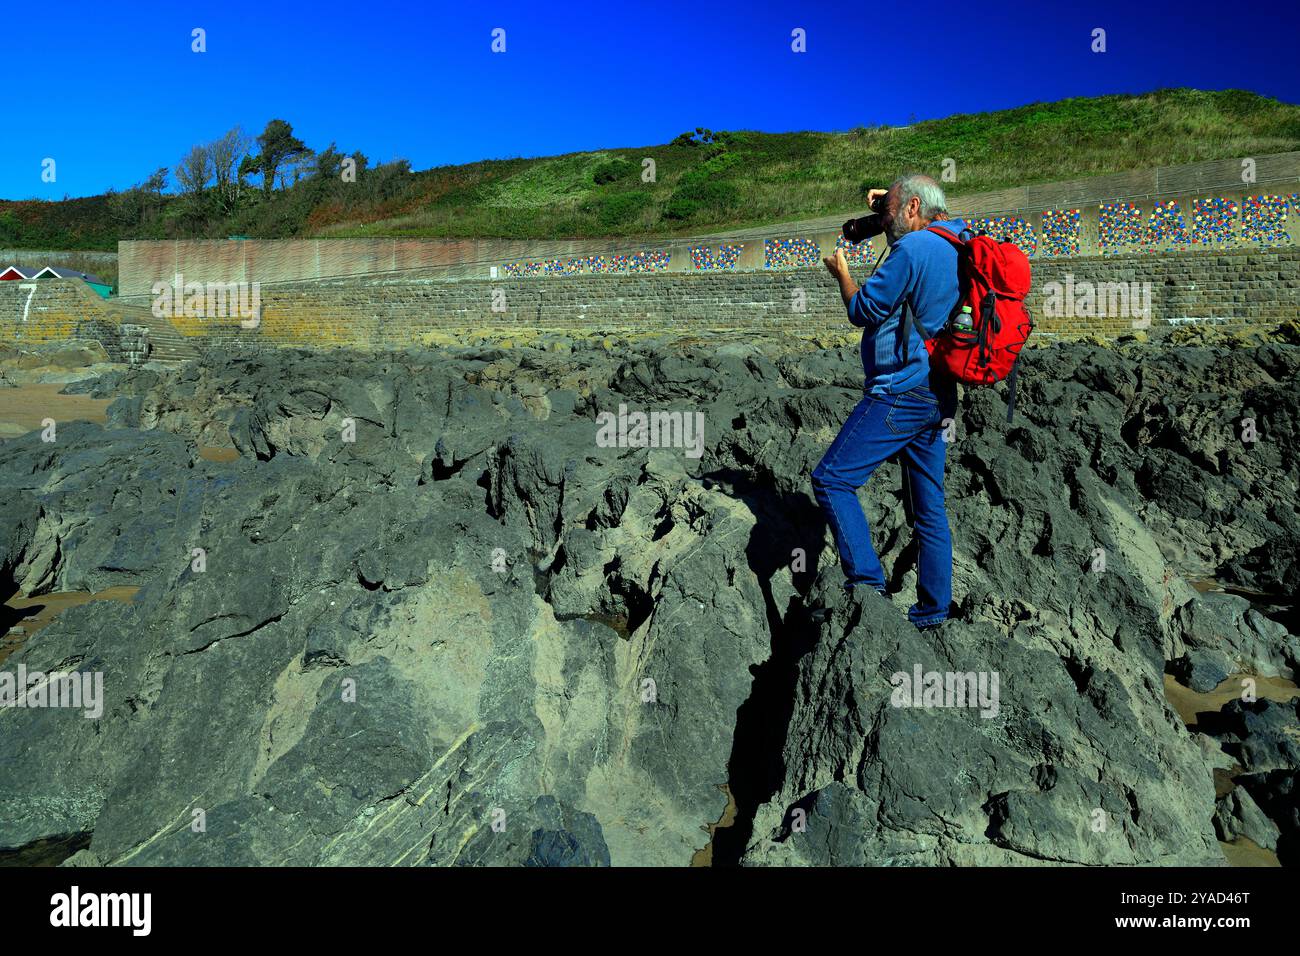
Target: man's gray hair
933 202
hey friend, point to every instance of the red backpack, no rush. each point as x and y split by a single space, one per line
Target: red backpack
993 278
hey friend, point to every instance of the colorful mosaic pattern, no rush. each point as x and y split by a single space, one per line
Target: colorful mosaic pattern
1119 227
1007 229
1060 234
790 253
1263 220
857 253
703 257
1214 222
1167 225
647 261
523 270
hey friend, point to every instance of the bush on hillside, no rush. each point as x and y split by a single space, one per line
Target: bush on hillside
620 208
613 171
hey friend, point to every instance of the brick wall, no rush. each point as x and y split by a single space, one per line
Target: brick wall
53 310
144 262
1232 287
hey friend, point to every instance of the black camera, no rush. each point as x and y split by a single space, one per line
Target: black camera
860 230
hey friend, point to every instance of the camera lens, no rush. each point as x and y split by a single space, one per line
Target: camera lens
860 230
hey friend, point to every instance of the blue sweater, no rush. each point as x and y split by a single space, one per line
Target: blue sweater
921 269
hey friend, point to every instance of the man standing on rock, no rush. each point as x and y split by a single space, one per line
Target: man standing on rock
903 407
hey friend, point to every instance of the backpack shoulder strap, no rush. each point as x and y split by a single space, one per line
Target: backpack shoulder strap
946 235
908 321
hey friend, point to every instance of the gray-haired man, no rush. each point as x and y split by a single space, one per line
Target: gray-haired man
904 406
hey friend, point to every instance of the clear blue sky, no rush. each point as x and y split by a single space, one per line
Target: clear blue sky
112 91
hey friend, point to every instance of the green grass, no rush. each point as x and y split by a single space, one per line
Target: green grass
742 179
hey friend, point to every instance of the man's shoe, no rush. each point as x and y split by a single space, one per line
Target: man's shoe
936 625
821 612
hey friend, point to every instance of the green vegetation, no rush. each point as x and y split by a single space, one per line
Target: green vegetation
704 181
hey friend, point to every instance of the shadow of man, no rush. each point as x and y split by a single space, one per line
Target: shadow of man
787 525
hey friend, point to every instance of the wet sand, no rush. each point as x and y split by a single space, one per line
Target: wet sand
704 856
24 408
214 453
33 613
1189 705
1243 852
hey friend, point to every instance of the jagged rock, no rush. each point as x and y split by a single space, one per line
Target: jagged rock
1224 635
1278 795
1043 766
1263 735
1237 815
1202 670
426 618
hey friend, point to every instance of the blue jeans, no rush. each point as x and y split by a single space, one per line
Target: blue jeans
909 425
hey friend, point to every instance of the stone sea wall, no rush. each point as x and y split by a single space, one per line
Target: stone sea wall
1100 295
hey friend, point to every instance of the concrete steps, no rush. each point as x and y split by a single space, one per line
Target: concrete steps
167 344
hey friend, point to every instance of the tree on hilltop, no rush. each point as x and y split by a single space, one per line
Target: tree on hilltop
194 171
250 165
299 167
329 162
278 146
141 204
156 182
227 153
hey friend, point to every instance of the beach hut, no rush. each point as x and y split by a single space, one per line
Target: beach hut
92 280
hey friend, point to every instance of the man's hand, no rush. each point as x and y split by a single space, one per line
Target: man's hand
838 267
872 194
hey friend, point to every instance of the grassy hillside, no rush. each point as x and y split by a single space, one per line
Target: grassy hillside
70 224
704 183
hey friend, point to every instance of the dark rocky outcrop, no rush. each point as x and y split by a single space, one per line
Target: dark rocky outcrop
425 618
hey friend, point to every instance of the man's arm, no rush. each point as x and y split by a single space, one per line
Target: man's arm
838 267
874 302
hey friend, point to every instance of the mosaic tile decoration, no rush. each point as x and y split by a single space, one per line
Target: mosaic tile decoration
1166 224
647 261
1007 229
1214 222
1119 228
1060 233
790 253
703 257
1263 220
857 253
